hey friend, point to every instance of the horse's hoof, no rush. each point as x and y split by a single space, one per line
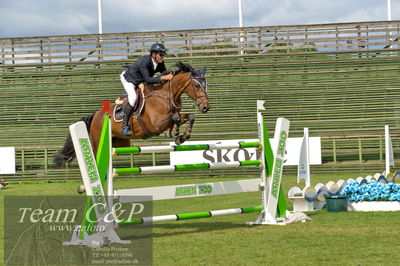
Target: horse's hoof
81 189
179 140
173 133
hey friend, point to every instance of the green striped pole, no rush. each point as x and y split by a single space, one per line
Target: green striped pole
195 147
189 216
183 167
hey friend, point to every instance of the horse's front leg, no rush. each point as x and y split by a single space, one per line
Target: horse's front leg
176 119
190 118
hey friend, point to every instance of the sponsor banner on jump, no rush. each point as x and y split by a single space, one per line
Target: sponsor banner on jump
230 155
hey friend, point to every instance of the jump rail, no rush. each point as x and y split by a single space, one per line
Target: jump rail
184 167
188 216
169 148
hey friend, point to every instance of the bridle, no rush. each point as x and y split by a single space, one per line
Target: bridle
203 85
174 98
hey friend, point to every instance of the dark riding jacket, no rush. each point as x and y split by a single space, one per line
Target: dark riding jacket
143 71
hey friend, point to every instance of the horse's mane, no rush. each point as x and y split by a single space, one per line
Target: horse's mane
182 67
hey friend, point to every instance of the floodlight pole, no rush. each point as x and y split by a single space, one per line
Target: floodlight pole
389 17
100 15
240 25
240 13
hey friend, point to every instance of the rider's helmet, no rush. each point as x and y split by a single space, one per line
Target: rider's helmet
158 48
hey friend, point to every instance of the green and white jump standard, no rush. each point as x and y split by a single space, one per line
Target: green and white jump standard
272 208
93 171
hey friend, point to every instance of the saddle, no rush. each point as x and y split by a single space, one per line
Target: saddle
122 101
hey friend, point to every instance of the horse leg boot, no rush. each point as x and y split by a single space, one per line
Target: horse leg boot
126 129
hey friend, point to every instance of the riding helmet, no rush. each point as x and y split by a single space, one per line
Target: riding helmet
158 48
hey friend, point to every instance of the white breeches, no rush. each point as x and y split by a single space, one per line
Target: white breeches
129 88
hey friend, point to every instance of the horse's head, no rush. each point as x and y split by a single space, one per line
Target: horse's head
196 86
197 90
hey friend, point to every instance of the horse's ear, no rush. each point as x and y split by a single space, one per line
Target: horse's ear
203 71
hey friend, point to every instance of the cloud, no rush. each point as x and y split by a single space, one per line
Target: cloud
45 17
167 15
292 12
26 18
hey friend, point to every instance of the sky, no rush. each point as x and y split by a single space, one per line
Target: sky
29 18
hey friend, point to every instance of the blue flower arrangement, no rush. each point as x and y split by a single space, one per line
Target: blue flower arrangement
371 191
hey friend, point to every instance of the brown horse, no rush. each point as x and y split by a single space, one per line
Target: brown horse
160 112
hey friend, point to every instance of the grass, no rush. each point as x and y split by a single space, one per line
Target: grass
345 238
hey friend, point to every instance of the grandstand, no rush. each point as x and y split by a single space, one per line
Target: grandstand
339 80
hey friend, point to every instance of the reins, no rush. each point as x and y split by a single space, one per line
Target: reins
172 98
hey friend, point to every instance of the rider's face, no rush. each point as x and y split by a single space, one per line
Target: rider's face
158 58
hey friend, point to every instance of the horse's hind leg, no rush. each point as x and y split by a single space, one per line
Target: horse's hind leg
190 118
95 130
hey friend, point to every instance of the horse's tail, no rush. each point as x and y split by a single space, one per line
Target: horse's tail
67 152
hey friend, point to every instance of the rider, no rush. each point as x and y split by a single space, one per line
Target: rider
142 70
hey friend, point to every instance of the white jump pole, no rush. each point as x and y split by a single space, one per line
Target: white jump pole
304 160
389 158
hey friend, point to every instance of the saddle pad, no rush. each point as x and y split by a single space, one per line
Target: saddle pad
122 100
118 113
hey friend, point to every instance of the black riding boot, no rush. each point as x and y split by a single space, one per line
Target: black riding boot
126 129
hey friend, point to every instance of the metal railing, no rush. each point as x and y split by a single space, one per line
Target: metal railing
201 43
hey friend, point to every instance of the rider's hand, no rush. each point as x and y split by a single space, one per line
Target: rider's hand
167 77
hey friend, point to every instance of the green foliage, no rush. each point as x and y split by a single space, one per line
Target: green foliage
212 45
289 47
